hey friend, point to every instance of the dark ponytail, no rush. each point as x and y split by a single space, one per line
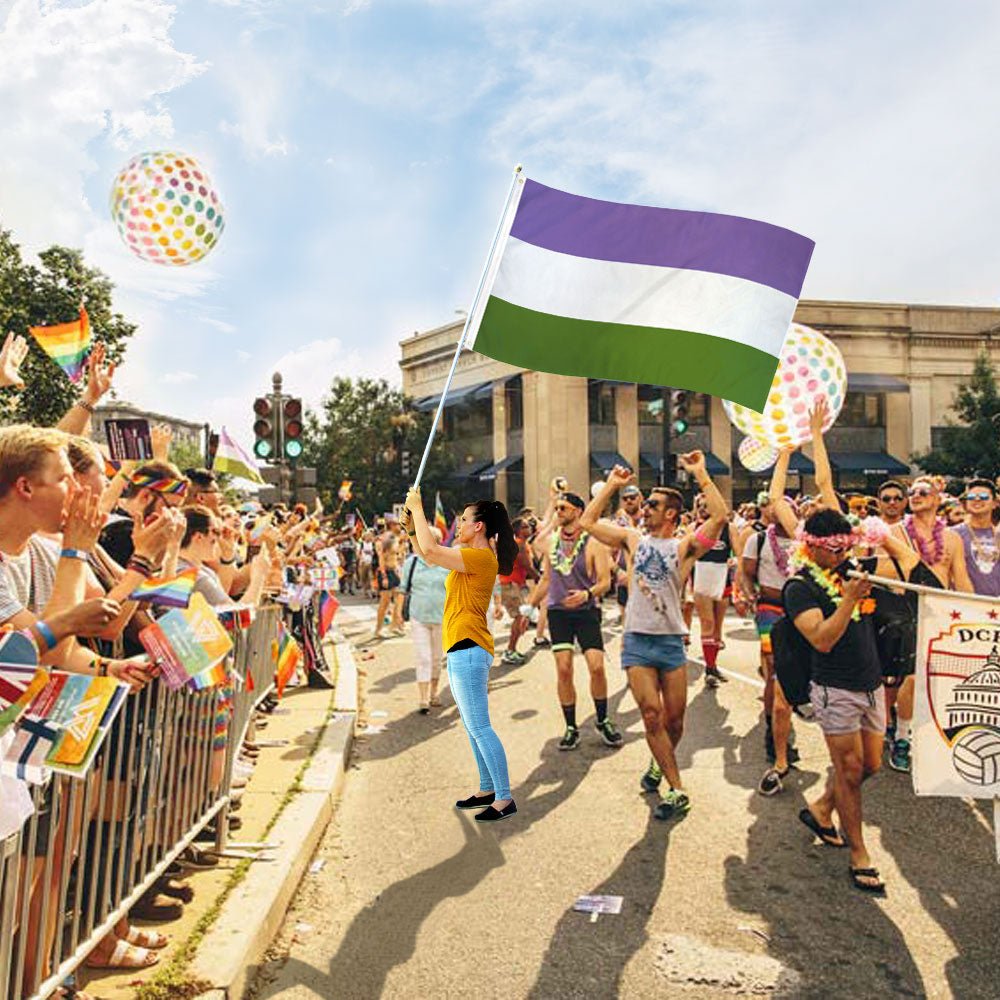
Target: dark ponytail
494 516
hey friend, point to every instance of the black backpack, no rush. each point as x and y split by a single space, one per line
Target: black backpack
793 656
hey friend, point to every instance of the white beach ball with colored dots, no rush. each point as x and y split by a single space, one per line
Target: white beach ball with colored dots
166 209
810 366
756 455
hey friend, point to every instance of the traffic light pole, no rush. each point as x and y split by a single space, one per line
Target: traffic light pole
668 419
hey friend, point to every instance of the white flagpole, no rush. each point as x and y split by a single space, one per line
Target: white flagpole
917 588
465 328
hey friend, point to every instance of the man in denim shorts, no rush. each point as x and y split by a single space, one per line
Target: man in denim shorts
832 612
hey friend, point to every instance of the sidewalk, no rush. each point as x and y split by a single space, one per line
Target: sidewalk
287 802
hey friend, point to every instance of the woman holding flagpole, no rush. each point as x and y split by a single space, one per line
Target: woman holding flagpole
484 545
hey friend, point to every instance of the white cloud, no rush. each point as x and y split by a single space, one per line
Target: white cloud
243 356
178 378
355 7
220 324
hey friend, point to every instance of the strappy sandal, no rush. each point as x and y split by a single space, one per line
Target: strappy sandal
875 889
828 834
126 956
143 938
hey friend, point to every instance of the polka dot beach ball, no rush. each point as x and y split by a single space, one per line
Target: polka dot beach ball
166 209
755 455
810 366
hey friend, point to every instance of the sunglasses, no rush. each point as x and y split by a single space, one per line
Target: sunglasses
983 495
920 491
892 498
560 507
655 504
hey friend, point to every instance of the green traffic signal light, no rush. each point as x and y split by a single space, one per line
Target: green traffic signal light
262 448
293 448
680 427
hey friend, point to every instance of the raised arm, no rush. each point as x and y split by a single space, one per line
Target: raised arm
607 531
432 551
695 544
76 420
781 509
824 474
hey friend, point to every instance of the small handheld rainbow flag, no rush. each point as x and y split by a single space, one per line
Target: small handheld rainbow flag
328 605
67 344
440 521
172 591
287 654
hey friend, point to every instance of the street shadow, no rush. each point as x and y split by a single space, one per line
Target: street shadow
944 848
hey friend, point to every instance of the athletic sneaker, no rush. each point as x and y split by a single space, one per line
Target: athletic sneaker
542 643
513 658
899 758
650 781
571 739
890 738
674 804
713 678
771 784
610 734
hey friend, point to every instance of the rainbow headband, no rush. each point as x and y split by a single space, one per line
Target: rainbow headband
174 486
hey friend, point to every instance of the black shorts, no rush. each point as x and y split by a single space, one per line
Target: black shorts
390 581
583 626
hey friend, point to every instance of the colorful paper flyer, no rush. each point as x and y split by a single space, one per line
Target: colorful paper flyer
83 728
186 642
129 440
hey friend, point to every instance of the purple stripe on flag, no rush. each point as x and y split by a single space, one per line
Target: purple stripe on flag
667 237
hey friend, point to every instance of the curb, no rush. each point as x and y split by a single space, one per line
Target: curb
233 947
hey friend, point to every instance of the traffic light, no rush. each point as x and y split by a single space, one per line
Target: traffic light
264 428
404 463
292 417
213 447
679 410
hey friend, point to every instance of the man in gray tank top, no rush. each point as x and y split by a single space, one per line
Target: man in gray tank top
653 644
576 574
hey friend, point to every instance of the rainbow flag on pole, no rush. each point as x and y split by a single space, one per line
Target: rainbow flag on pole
328 605
287 655
172 591
440 521
67 344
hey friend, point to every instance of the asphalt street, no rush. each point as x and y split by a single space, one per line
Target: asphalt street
412 898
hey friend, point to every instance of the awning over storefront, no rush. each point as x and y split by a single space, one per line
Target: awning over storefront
465 394
492 471
860 382
868 463
607 460
802 464
714 465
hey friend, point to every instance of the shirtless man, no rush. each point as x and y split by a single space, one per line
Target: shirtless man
942 551
390 559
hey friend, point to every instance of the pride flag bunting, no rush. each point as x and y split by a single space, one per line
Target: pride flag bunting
172 591
67 344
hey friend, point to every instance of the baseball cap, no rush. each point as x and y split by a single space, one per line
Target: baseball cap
630 491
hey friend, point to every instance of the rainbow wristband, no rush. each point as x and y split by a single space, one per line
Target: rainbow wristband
45 631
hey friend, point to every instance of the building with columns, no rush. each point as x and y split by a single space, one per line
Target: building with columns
512 430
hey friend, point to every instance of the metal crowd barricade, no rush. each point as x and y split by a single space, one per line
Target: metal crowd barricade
95 845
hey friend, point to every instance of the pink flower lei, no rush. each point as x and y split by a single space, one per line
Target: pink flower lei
780 554
932 557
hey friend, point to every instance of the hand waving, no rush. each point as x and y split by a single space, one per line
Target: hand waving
82 521
13 352
99 375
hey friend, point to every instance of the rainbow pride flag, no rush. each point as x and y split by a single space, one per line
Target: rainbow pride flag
287 654
328 605
171 591
67 344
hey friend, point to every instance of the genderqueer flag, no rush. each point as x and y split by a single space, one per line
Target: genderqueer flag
232 459
661 296
67 344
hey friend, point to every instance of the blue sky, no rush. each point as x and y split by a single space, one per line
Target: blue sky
362 149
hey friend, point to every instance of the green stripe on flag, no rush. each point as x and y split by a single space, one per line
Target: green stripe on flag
681 359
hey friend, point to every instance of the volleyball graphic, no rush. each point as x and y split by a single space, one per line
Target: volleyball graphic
976 756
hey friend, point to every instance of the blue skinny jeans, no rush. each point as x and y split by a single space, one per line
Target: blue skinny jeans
468 671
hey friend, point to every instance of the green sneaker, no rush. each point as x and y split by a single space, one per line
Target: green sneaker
650 781
610 734
673 805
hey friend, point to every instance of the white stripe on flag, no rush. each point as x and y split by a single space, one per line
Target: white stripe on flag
643 295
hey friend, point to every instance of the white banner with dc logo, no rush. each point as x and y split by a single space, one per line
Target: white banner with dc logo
956 721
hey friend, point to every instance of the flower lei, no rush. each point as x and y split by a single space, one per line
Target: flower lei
832 585
562 563
780 554
930 556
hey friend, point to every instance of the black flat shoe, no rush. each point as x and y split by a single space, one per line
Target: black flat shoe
476 801
490 815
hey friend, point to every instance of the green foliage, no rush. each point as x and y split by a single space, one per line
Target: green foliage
360 434
186 455
35 295
972 447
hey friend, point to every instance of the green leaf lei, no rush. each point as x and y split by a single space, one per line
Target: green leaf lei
825 580
560 563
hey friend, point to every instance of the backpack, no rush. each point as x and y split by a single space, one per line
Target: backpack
793 656
895 621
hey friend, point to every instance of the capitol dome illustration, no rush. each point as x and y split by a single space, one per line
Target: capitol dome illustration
976 700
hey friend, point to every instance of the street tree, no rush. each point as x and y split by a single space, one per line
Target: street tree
368 432
44 294
971 447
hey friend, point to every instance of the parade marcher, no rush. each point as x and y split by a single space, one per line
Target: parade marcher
941 549
892 502
980 537
424 584
484 545
833 614
576 574
629 515
513 590
711 570
653 654
387 579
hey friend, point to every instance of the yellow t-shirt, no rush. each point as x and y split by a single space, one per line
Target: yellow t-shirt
467 599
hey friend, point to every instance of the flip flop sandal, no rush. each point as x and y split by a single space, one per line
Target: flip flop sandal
857 874
156 909
175 890
126 956
828 834
142 938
